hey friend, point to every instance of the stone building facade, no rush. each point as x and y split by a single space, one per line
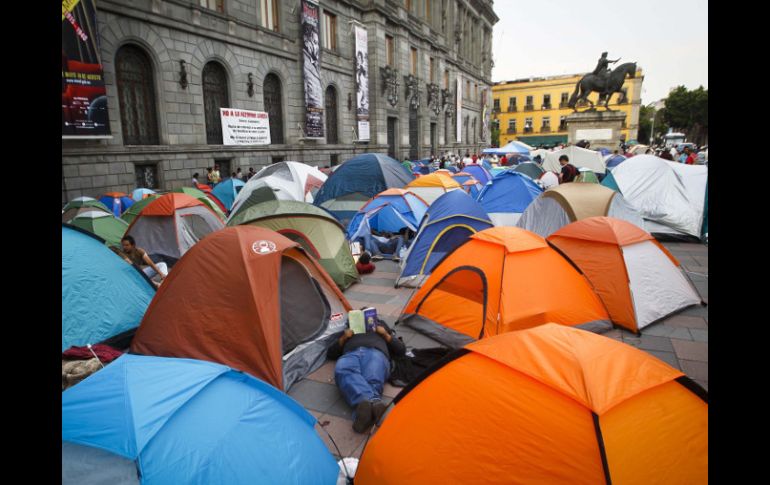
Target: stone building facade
247 54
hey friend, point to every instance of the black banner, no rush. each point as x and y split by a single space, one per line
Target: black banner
314 120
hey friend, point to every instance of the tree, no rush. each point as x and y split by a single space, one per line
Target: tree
687 111
645 125
494 129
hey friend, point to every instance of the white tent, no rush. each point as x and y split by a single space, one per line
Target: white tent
669 195
579 157
288 180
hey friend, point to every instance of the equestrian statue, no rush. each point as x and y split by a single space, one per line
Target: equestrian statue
602 81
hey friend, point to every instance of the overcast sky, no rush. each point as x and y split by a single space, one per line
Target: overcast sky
668 39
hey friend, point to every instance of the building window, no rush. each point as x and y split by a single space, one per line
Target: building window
432 74
334 159
546 124
446 79
564 100
224 166
277 159
530 104
467 93
512 105
146 176
136 93
216 5
546 101
562 123
414 61
511 126
408 5
330 31
475 92
331 115
473 129
214 97
269 14
528 125
274 107
389 50
496 102
428 15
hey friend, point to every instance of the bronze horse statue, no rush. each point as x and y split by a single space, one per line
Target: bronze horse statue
605 87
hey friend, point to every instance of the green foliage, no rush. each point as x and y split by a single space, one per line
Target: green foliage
688 111
494 129
645 124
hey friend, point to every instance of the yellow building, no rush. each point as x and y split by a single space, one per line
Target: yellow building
533 110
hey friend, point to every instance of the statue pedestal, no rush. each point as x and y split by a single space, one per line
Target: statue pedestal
601 128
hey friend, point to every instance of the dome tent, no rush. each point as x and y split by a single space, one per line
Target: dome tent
531 169
171 224
102 295
479 173
116 202
137 208
389 211
211 202
227 190
431 187
106 226
80 205
157 420
248 298
502 279
319 234
570 202
638 280
357 180
507 196
549 404
448 223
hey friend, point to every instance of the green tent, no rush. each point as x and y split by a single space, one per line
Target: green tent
81 205
587 176
262 194
106 226
317 231
135 209
198 194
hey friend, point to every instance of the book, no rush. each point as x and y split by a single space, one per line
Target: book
370 318
356 321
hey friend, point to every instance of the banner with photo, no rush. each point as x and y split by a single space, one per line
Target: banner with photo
362 82
244 127
314 113
83 95
459 109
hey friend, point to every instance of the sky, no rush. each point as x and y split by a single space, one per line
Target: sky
668 39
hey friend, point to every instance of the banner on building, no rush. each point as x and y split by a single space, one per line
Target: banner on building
242 127
314 113
362 82
459 109
83 95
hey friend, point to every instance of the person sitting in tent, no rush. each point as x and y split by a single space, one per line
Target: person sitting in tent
363 366
139 257
364 264
380 245
568 171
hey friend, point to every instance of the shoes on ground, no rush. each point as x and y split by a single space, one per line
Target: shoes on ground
363 416
378 409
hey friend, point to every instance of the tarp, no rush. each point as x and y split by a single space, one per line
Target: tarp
670 195
359 179
579 157
249 298
317 231
449 222
227 190
507 196
102 295
188 421
549 405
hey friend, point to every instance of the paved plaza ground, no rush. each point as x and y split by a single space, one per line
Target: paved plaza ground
681 340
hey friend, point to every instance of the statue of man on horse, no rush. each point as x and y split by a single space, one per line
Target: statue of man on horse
602 81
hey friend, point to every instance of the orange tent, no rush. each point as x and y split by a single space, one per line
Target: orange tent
502 279
638 280
248 298
431 187
550 404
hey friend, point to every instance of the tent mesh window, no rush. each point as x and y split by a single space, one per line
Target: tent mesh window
300 322
280 170
196 225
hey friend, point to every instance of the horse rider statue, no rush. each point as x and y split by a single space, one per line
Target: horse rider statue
602 81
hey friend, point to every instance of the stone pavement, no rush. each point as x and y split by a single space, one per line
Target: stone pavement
681 340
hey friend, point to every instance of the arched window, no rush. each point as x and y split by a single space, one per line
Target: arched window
331 115
274 107
215 96
136 91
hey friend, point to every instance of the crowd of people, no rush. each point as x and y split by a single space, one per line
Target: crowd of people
213 177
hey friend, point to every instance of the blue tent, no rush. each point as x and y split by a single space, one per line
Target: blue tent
227 190
506 198
511 147
614 161
451 219
604 151
390 211
479 173
117 205
357 180
187 421
102 295
610 182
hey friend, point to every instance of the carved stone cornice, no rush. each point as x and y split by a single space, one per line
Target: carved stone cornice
390 84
